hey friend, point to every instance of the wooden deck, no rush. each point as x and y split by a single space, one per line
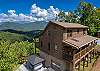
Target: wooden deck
80 55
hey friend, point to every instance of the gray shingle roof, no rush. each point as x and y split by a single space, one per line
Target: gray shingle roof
34 59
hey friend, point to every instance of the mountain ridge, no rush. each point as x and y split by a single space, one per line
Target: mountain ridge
23 26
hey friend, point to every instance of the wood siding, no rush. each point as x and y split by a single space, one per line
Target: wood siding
55 38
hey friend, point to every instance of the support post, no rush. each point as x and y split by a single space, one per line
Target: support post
90 57
79 66
35 45
93 53
83 63
87 61
73 67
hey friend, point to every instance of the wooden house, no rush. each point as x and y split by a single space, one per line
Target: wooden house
65 45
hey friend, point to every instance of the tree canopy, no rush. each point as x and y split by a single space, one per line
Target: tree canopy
88 17
14 49
86 14
13 54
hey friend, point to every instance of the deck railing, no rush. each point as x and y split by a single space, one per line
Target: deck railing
83 52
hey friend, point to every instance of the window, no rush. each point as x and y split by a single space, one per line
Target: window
69 33
48 33
49 46
78 31
83 31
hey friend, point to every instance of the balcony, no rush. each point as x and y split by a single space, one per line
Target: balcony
83 53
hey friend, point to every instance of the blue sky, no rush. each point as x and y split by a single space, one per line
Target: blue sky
24 6
36 10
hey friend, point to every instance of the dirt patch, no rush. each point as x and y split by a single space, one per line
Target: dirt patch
96 66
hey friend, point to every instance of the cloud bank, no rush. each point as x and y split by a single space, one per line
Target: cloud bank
36 14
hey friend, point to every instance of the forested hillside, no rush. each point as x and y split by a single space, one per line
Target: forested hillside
7 36
14 49
14 54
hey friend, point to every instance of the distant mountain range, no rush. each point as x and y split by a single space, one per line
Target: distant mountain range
31 34
23 26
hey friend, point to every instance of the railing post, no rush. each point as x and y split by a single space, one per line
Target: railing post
87 60
90 57
79 66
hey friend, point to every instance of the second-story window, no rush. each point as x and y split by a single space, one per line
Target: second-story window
78 31
83 31
48 32
69 33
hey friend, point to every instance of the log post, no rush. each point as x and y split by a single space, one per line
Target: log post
87 61
90 57
93 53
79 66
73 67
83 63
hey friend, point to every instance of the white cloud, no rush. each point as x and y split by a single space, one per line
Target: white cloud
11 12
36 14
34 8
2 15
66 13
53 11
23 17
12 16
42 13
37 11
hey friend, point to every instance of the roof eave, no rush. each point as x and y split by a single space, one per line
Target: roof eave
71 44
78 47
